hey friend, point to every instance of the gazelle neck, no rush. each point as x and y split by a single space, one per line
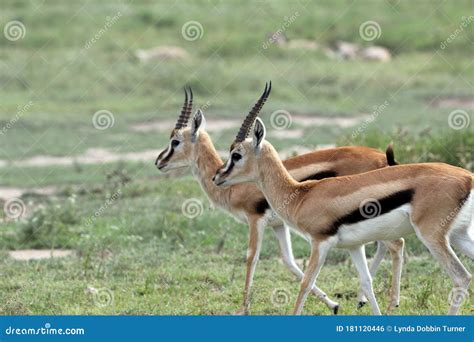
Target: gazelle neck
205 162
273 179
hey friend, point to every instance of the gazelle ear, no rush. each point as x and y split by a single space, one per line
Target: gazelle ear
259 132
197 124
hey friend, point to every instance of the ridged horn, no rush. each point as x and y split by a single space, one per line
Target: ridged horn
252 115
186 110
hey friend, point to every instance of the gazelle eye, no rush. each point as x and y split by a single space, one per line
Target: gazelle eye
174 143
236 157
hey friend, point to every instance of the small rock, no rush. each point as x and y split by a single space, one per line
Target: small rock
302 44
346 50
91 290
37 254
376 53
161 53
278 38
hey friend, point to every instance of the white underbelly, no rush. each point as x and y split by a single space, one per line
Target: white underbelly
389 226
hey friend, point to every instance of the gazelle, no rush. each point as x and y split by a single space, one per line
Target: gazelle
434 200
192 146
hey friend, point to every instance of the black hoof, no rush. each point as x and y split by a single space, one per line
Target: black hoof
335 310
361 304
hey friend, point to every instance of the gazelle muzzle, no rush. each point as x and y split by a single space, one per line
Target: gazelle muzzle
222 173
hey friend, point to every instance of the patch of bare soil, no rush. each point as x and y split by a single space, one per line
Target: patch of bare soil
341 121
453 102
164 52
286 134
13 192
38 254
167 125
91 156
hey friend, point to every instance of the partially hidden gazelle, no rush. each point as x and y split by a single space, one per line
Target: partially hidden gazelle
192 146
433 200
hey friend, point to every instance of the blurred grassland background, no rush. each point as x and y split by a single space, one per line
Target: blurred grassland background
150 258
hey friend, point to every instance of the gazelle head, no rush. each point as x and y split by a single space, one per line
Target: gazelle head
240 166
179 151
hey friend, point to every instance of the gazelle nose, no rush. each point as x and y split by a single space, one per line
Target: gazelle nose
214 178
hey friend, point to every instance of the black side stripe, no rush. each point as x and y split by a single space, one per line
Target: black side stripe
381 206
320 175
261 206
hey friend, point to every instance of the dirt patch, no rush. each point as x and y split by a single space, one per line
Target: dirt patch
218 125
286 134
38 254
464 102
165 52
167 125
91 156
12 192
341 121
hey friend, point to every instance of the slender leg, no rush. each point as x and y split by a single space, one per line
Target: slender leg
396 248
256 229
283 235
379 255
442 251
360 262
319 250
464 242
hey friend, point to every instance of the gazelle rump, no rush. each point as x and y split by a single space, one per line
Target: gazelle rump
192 146
434 200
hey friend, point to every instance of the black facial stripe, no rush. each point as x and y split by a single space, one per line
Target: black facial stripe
261 206
320 175
160 156
168 157
231 165
385 205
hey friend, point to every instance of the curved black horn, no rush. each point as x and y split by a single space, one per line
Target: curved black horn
252 115
189 108
182 117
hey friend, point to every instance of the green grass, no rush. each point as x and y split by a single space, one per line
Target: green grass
160 262
141 250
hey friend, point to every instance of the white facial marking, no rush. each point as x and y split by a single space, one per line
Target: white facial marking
228 163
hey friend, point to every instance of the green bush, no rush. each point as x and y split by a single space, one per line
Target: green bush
452 147
50 226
